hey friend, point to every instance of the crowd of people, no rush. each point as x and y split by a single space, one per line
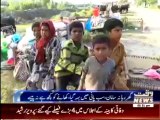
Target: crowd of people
53 67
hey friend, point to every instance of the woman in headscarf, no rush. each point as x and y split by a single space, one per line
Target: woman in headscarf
47 53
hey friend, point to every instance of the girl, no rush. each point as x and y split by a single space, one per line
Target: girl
47 53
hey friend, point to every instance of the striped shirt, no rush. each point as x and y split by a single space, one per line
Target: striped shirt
52 52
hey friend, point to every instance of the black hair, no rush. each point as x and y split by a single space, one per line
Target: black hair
36 24
76 24
100 39
61 17
112 23
45 24
114 8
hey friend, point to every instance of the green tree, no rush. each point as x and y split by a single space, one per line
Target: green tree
123 1
152 2
61 6
13 6
146 2
45 2
51 4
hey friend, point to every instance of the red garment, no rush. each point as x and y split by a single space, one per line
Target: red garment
96 12
10 61
155 67
42 43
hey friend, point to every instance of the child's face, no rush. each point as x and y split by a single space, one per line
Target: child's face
77 34
45 32
101 51
37 32
116 34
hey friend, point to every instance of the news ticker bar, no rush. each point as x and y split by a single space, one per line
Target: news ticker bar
84 96
78 111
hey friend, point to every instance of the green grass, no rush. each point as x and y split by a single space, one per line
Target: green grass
128 14
130 17
82 13
55 17
22 27
9 85
155 8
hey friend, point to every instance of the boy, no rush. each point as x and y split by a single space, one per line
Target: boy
115 13
74 52
31 51
98 68
36 32
113 28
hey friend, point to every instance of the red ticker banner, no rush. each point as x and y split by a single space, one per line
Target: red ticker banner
78 111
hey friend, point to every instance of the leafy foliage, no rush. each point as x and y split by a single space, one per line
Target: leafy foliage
151 2
32 4
61 6
123 1
87 37
45 2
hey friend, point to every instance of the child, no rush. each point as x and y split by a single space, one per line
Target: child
31 51
47 51
113 27
36 32
98 68
115 13
12 49
74 52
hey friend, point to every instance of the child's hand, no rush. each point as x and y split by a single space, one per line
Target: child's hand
80 88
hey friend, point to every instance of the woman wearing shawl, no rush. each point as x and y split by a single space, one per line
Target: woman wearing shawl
47 53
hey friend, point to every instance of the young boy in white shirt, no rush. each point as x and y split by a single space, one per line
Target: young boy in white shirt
115 13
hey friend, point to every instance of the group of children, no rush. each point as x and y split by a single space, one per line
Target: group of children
99 70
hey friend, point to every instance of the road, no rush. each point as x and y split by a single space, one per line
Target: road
146 43
151 18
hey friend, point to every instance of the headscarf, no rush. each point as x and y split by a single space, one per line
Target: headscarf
42 43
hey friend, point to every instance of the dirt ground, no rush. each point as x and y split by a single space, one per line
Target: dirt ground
146 43
142 44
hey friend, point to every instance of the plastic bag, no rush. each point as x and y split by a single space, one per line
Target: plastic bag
48 83
21 71
32 82
34 77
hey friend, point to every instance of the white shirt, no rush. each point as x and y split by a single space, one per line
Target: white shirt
116 15
23 44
